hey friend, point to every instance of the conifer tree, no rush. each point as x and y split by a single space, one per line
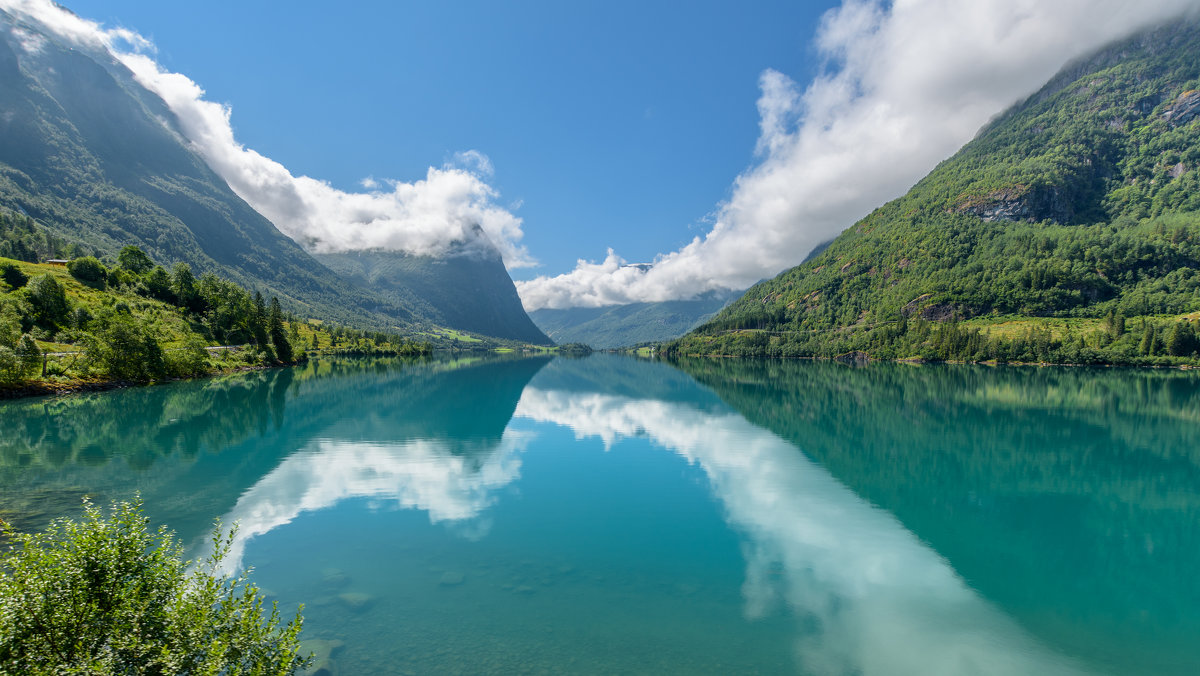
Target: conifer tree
283 348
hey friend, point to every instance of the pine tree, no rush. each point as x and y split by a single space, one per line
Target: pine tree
258 320
283 348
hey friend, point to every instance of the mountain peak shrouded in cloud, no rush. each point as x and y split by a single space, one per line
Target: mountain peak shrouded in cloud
905 85
449 206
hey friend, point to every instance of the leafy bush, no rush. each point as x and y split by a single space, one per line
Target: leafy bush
190 360
108 596
48 299
88 270
126 349
13 276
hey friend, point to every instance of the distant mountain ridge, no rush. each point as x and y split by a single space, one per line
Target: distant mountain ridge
615 326
99 161
1081 202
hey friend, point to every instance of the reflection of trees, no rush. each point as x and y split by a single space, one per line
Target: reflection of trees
141 424
1065 495
192 447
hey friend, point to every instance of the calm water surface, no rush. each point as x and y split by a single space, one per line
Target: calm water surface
607 515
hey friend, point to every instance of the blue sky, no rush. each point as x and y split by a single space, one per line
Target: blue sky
612 124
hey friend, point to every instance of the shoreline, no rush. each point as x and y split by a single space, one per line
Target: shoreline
46 389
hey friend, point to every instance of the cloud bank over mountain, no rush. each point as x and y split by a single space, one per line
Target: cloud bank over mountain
906 84
426 216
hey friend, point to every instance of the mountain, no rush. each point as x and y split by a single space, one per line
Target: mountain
100 162
466 289
633 324
1069 215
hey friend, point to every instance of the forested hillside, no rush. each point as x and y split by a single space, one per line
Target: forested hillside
1068 230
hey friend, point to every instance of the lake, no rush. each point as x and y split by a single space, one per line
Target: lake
612 515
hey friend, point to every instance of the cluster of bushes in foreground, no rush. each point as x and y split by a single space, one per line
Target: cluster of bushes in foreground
135 321
1142 341
107 595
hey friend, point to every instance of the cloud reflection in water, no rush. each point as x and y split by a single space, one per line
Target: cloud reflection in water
452 481
869 597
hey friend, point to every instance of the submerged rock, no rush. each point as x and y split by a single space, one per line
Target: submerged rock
357 601
334 577
451 578
322 651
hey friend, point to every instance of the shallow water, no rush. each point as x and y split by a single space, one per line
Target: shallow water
610 515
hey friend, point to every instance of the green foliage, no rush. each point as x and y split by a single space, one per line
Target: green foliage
183 285
88 270
575 349
48 300
158 285
134 260
279 338
10 323
108 596
126 349
12 276
1083 201
1182 341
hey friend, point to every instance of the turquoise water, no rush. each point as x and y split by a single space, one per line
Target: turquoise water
609 515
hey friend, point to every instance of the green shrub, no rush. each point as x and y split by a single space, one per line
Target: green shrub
108 596
126 349
48 299
10 365
88 270
190 360
13 276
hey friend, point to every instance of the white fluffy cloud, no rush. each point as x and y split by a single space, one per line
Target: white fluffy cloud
425 216
907 84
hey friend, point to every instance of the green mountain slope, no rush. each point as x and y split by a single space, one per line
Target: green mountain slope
625 325
97 160
1082 201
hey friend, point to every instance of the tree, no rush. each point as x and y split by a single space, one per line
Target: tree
10 323
134 260
183 283
108 596
88 270
158 283
258 320
126 349
28 354
48 299
1182 341
283 347
13 276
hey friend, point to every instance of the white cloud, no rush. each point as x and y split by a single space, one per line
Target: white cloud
908 83
425 216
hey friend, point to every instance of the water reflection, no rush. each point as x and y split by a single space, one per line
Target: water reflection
901 519
868 596
449 482
262 446
1069 497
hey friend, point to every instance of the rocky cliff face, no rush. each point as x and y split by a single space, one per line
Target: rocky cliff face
1021 203
467 289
